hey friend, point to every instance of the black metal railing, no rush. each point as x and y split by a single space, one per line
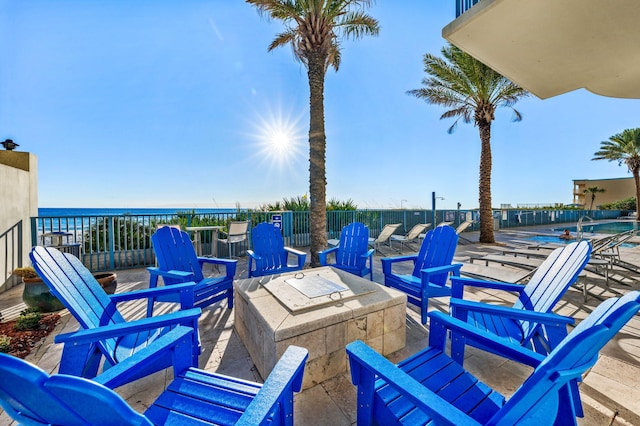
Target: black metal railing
112 242
11 249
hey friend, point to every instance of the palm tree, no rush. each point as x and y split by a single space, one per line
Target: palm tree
593 190
624 148
314 29
473 91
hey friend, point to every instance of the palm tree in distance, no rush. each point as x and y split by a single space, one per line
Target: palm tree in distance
314 29
593 190
473 92
624 148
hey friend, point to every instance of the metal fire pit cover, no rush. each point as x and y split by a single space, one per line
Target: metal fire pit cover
314 285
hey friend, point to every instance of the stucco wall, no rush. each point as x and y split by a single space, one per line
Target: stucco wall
614 190
18 201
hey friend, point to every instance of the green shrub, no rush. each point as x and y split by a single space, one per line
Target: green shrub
28 321
339 205
5 343
626 204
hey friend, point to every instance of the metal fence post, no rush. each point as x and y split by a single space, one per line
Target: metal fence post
112 243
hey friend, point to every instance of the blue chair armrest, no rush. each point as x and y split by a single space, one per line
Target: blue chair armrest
369 254
387 262
184 291
229 264
152 292
177 342
462 307
252 256
428 272
302 256
180 275
325 253
367 365
295 252
284 379
117 330
217 260
458 284
440 324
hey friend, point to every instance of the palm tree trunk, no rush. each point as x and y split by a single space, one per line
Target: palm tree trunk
636 178
317 160
486 212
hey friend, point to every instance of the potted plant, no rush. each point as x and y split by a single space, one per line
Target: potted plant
36 293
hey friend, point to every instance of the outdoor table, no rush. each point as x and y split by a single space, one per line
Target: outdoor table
60 241
197 241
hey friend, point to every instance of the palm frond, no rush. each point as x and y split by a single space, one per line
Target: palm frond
283 39
356 25
457 80
622 147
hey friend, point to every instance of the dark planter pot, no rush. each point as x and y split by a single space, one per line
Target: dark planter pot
108 281
36 293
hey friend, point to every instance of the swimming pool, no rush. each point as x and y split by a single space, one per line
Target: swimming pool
557 240
603 228
548 239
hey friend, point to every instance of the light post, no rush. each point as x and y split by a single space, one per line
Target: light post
458 213
404 216
433 206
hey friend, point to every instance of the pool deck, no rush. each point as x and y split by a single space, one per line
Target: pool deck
610 390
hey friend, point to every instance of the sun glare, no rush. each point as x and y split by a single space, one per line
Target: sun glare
280 139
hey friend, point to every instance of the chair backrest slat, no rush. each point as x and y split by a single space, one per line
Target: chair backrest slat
551 280
174 251
354 241
438 249
269 245
74 285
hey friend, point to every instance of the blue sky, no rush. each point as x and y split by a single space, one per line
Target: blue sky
178 103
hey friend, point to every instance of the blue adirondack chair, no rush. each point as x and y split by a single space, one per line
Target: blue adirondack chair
269 253
352 252
431 388
529 322
195 397
178 263
431 268
105 334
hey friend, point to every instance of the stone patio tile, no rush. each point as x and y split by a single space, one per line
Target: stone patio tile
343 394
315 407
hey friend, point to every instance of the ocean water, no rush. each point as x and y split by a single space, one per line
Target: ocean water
78 220
62 211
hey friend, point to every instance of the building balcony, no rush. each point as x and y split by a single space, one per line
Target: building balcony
551 47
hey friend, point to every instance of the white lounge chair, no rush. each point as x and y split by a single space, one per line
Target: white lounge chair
462 227
384 236
411 236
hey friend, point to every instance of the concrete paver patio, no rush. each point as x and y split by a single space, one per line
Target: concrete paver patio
610 391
